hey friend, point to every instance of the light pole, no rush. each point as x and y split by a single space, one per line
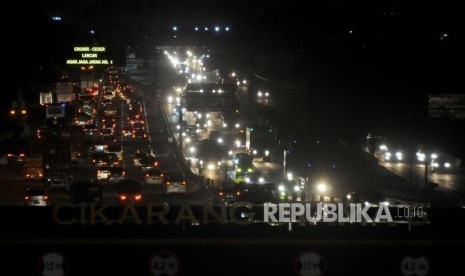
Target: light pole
284 162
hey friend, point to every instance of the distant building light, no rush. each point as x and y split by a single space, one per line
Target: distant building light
175 28
351 32
196 29
92 32
226 29
217 29
206 28
56 18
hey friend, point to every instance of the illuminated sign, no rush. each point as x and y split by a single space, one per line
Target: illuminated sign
89 56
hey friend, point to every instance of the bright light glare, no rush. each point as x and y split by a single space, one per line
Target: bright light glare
321 187
289 176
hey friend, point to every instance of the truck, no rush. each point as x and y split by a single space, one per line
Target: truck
259 142
33 168
46 98
64 92
57 160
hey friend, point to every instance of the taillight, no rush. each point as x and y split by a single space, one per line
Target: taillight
21 155
238 193
168 183
155 164
147 175
26 198
161 175
46 197
184 183
122 197
138 197
220 193
10 155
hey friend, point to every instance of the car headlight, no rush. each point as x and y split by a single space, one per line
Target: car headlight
210 167
247 180
321 187
267 152
261 180
296 188
281 188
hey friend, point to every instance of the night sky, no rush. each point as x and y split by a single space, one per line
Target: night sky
416 43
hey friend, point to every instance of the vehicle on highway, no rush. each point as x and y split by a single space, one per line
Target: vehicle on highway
175 184
128 191
102 173
154 177
227 194
254 177
139 134
115 175
36 197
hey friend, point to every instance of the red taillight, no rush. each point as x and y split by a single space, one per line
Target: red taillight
147 175
10 155
122 197
155 164
26 198
167 183
238 193
138 197
220 193
184 183
161 175
21 155
46 197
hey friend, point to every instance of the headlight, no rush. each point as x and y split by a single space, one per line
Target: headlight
281 188
261 180
267 152
247 180
399 155
447 165
201 162
210 167
296 188
321 187
254 152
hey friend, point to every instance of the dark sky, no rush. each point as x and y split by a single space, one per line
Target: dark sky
419 42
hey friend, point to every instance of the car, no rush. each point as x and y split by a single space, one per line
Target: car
36 197
148 162
115 175
227 194
254 177
175 183
243 164
154 177
102 173
139 134
128 191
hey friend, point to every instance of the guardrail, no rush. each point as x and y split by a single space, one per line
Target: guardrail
177 151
